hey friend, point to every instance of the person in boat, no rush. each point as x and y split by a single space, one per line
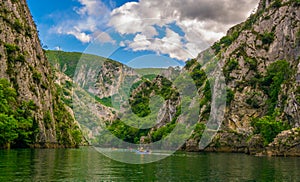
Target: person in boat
141 149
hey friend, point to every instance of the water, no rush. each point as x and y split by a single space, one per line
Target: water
86 164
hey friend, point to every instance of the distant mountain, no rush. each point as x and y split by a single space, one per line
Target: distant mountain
104 79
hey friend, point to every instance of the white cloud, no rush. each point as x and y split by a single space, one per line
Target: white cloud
202 21
171 45
140 43
83 37
57 48
92 7
91 17
127 20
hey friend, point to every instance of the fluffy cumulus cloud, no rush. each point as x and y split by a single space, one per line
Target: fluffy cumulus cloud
171 44
201 21
82 36
91 17
180 29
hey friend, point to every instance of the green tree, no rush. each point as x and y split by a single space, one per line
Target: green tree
269 127
8 130
16 122
277 73
268 37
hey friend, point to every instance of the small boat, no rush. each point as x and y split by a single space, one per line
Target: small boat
143 152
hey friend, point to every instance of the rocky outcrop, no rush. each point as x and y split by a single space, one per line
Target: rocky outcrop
99 76
167 111
89 113
287 143
282 24
23 62
112 77
246 54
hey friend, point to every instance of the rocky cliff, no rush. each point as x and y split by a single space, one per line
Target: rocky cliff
260 61
23 63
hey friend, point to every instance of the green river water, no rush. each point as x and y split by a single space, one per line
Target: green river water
86 164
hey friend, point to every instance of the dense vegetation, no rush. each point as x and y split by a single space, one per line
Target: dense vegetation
146 108
277 73
269 127
67 131
17 125
140 104
140 100
127 133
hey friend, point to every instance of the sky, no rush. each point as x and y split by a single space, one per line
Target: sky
137 31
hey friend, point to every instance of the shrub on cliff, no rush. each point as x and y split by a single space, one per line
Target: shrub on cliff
269 127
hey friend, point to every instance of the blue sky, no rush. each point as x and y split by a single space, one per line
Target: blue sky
169 31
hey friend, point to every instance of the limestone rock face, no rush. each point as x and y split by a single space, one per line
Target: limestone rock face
284 23
269 35
287 143
103 78
23 63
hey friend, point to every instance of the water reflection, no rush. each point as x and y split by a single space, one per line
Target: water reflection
88 165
